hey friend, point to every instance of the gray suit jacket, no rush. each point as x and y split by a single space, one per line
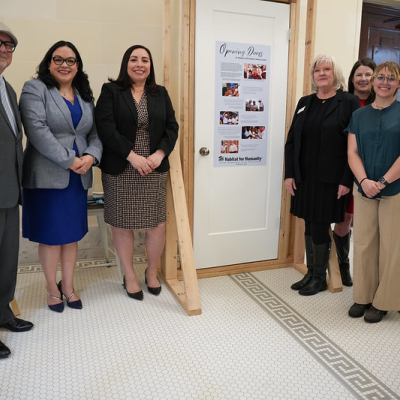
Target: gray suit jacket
10 155
51 135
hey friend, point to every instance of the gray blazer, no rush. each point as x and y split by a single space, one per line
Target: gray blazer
10 155
51 135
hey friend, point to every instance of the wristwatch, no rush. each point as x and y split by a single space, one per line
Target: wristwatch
383 181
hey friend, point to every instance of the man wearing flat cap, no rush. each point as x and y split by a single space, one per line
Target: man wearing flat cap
10 190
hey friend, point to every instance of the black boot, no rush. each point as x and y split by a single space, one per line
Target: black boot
318 281
310 265
342 251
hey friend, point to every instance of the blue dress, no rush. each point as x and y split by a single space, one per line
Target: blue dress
57 216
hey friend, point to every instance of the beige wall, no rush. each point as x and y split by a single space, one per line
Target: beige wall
337 34
101 30
338 31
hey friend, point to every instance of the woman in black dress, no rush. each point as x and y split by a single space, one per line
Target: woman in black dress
136 123
317 174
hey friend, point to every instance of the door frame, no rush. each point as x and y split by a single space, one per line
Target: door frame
288 222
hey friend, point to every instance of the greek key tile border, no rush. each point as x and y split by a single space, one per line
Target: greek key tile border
359 381
81 264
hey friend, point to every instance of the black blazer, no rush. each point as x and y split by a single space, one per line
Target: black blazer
332 155
116 121
10 154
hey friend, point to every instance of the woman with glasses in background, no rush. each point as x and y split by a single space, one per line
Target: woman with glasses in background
374 157
62 146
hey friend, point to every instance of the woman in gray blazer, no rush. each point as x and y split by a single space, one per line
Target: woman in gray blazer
62 146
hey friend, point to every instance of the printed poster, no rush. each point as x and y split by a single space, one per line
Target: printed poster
241 104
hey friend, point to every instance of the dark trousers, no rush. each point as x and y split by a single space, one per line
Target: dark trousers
9 247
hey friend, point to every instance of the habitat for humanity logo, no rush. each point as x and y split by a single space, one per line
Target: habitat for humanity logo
222 158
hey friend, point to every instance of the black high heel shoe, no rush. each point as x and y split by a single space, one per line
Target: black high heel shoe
136 295
152 290
56 307
77 304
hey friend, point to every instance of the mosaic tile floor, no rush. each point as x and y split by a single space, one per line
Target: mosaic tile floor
256 339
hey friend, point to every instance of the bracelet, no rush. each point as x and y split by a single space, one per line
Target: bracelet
362 180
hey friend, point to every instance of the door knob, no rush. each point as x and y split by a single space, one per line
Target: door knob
204 151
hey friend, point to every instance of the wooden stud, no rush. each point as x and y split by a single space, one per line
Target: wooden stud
187 101
170 256
178 232
167 42
187 294
287 219
14 307
334 278
311 27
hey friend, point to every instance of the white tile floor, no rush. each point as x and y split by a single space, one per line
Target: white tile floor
256 339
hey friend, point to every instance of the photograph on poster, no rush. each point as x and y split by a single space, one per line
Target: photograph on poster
242 102
253 132
255 71
254 105
230 89
228 117
229 146
233 146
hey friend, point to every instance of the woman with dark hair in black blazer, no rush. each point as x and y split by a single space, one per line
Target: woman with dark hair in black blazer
136 123
359 85
317 174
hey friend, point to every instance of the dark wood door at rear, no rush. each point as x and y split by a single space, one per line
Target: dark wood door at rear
380 33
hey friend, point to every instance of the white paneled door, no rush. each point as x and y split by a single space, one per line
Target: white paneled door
237 205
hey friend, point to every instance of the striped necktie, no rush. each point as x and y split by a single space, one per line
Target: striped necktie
6 105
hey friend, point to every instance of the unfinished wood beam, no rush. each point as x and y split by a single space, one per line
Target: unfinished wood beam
178 232
14 307
310 43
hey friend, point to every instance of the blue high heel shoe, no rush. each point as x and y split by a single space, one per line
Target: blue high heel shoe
155 291
135 295
56 307
77 304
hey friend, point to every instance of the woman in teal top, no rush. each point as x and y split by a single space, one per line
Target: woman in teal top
374 158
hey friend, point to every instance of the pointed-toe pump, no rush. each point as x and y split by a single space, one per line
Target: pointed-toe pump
56 307
135 295
77 304
155 291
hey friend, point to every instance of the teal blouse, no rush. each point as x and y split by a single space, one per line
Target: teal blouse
378 142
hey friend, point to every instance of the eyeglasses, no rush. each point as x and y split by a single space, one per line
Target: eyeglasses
390 79
9 46
70 61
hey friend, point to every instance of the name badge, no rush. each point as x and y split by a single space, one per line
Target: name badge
301 110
